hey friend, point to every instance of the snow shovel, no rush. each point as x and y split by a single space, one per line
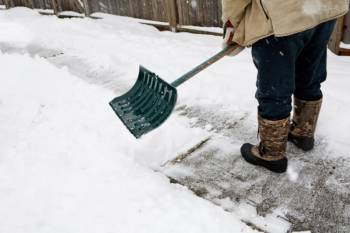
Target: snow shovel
151 100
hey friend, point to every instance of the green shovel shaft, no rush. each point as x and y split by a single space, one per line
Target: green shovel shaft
204 65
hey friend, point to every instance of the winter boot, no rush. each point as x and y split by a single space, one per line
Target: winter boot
270 153
304 122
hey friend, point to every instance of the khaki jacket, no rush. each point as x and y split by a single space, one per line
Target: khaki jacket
257 19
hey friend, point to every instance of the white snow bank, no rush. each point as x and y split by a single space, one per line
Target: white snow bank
334 123
66 164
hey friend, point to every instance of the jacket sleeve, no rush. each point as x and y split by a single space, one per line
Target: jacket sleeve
233 10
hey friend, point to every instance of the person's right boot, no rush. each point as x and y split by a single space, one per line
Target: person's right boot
271 151
302 129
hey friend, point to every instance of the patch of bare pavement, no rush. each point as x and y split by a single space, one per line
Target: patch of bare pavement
314 195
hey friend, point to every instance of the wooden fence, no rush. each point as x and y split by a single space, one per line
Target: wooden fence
182 12
187 12
143 9
341 34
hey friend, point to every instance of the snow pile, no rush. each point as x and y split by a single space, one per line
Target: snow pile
66 165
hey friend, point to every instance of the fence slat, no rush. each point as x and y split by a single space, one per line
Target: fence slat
9 3
86 7
172 14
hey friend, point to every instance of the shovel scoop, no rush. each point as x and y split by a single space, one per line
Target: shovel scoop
151 100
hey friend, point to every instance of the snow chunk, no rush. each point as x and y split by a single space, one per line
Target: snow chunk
208 127
292 174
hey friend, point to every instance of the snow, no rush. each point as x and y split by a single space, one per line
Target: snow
208 127
204 29
292 174
67 164
66 168
193 4
14 33
344 46
271 223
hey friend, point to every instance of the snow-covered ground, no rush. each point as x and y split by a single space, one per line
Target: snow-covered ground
67 164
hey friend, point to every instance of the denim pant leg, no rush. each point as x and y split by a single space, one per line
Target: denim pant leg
311 65
275 60
294 64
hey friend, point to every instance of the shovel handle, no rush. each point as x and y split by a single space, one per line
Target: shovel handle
207 63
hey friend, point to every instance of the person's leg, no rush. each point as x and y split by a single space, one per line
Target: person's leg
311 71
275 60
311 64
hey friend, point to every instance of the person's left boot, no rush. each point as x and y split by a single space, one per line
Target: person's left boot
304 123
271 151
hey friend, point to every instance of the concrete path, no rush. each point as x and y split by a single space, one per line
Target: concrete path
314 195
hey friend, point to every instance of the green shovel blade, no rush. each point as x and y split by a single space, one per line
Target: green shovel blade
147 104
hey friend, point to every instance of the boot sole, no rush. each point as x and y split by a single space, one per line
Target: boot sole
304 143
278 166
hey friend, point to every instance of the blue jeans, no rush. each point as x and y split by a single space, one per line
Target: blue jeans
291 65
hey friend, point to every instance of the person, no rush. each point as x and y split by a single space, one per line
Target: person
289 47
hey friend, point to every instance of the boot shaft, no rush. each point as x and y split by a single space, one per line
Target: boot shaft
273 138
305 117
